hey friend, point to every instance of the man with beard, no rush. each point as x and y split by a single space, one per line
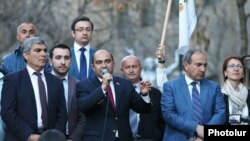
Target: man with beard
60 59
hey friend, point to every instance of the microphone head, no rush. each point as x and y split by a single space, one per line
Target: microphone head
104 71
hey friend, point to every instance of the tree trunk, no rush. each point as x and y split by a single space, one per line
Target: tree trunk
243 26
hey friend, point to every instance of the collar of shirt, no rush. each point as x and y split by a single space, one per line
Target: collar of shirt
77 47
189 80
1 75
65 77
31 71
190 87
18 50
138 89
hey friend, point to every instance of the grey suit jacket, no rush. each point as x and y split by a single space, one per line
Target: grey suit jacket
177 108
76 119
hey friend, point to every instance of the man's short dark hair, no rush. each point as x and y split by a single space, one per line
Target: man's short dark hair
62 46
52 135
81 18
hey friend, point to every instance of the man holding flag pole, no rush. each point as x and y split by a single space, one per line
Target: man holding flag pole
190 101
187 24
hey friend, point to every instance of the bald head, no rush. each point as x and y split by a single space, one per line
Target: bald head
131 68
129 58
103 59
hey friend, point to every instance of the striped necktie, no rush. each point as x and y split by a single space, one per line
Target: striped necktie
197 107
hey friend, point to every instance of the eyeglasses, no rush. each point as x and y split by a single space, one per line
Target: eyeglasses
82 29
233 66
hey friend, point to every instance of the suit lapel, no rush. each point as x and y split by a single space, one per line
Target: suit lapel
184 91
27 83
49 89
91 52
204 93
117 95
71 90
74 63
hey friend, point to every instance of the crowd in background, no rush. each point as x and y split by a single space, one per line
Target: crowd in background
70 92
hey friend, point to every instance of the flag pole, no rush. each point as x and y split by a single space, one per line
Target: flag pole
165 22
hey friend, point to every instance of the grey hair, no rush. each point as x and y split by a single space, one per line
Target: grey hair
27 44
19 27
187 58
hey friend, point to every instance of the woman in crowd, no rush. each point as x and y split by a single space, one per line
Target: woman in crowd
234 87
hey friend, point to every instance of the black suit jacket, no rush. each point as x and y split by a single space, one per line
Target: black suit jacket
19 110
102 120
151 125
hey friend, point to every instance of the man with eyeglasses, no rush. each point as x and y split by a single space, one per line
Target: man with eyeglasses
81 29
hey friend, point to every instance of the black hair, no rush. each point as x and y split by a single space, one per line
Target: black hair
62 46
81 18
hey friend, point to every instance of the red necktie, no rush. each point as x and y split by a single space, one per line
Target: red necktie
110 96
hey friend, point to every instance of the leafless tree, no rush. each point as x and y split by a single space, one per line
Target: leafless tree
243 26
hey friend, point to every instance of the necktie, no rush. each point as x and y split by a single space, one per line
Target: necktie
197 107
83 65
110 97
65 92
133 119
42 94
66 100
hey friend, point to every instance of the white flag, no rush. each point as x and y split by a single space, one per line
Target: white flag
187 23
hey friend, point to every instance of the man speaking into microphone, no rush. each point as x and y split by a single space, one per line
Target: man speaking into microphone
106 101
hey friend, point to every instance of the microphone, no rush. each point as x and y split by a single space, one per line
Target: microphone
104 71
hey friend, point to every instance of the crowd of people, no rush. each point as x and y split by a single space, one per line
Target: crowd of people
70 93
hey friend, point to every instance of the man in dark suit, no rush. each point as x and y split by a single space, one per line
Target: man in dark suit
106 101
191 101
2 125
150 126
32 100
60 59
81 29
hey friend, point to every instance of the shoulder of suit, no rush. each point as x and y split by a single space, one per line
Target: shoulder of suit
117 78
16 75
209 82
155 90
47 74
